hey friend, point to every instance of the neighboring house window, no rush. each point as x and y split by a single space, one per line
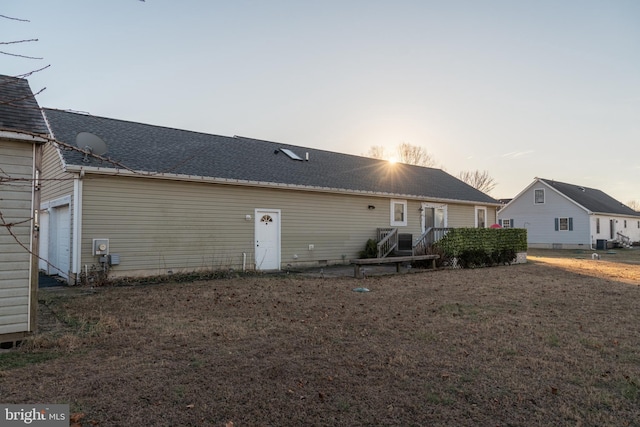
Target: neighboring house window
597 225
398 212
481 217
564 224
625 223
506 223
538 196
638 224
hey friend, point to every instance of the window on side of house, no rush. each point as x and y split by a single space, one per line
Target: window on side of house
625 223
538 196
506 223
597 225
398 212
564 224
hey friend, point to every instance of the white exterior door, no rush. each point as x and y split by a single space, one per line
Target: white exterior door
60 241
43 237
433 216
267 239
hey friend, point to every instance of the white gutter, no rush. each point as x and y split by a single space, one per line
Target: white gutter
193 178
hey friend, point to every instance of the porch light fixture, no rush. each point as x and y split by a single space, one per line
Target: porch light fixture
371 207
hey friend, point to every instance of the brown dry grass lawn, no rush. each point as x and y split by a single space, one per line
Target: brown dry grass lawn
552 342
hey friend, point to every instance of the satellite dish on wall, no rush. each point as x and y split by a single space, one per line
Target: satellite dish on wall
90 143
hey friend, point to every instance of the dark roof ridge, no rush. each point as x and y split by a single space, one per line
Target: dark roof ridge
550 181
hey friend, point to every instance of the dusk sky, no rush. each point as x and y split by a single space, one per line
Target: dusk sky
518 88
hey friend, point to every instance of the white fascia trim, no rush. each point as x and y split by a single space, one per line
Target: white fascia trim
20 136
609 214
194 178
55 144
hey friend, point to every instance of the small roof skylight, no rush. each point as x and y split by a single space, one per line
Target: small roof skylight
291 154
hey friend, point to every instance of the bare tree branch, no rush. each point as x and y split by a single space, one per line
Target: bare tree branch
20 41
415 155
9 225
22 76
20 56
14 19
478 180
406 153
11 101
376 152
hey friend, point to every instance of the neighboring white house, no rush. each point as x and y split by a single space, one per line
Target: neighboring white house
564 216
22 134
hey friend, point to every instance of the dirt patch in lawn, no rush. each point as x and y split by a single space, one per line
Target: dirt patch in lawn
545 343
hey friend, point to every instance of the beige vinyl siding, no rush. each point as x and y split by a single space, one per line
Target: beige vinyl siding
56 183
465 216
157 226
461 216
16 161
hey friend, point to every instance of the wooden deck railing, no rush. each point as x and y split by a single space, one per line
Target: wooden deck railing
428 238
387 241
624 240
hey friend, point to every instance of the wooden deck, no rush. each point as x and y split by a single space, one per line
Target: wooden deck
398 260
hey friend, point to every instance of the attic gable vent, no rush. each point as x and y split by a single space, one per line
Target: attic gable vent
291 154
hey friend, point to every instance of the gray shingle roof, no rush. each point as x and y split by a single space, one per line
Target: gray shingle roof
159 149
591 198
19 110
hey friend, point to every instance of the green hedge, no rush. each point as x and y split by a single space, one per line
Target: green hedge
478 247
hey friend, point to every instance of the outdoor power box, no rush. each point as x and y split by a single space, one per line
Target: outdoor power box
100 246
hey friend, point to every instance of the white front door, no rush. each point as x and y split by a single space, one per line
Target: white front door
267 239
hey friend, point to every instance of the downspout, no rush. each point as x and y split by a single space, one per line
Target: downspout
590 233
77 224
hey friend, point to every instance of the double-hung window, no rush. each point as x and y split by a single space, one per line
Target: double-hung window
564 224
398 213
538 196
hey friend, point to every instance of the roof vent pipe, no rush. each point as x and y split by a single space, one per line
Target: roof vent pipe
306 156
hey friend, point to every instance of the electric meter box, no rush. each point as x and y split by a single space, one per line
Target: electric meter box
100 246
